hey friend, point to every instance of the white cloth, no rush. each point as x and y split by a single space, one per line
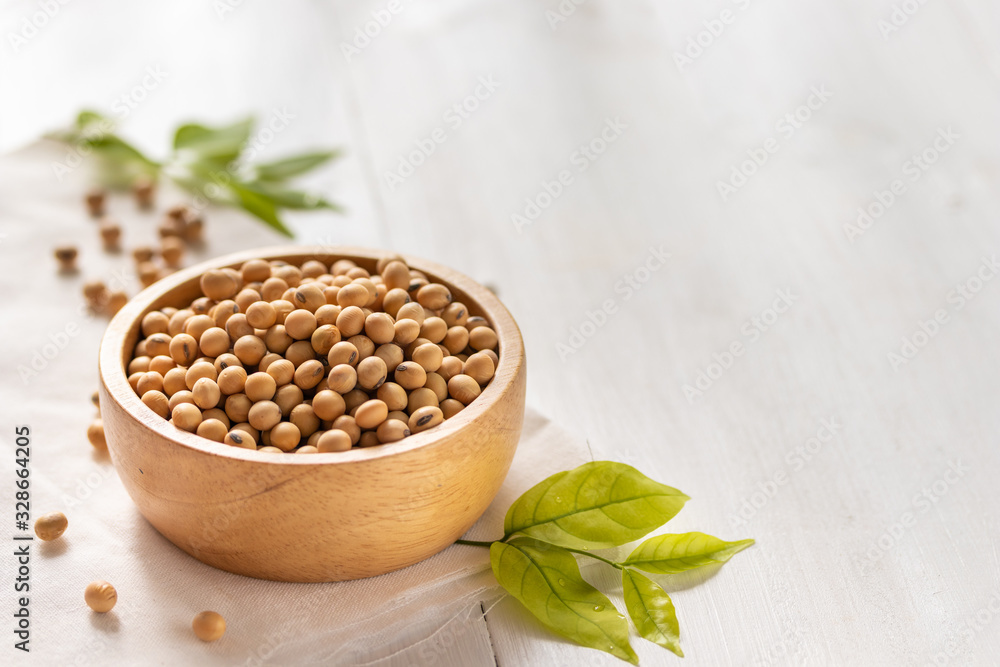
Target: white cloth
161 588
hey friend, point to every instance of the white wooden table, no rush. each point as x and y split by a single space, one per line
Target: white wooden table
752 247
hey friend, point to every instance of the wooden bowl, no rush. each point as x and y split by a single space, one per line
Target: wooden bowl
312 517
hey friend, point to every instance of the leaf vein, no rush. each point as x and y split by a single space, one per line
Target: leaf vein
552 592
595 508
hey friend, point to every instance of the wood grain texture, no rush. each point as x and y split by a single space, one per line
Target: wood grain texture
321 517
817 589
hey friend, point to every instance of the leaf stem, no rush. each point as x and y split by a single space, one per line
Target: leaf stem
613 564
473 543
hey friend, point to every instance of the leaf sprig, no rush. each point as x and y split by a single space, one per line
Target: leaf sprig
597 505
208 162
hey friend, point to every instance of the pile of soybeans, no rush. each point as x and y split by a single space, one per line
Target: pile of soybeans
313 358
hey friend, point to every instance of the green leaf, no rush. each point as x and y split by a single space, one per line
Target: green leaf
259 206
280 170
669 554
116 148
651 610
208 179
293 199
547 580
119 163
600 504
204 162
219 145
88 117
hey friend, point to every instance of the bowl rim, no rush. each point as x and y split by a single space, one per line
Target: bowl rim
114 377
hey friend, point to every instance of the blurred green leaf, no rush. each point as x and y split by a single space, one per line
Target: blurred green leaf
221 145
117 148
291 199
259 206
280 170
204 161
87 117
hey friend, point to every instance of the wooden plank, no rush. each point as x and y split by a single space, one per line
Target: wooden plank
877 537
810 581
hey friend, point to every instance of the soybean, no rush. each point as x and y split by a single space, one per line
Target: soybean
317 358
95 434
425 418
371 413
410 375
463 389
208 626
100 596
66 256
50 526
334 441
371 373
186 416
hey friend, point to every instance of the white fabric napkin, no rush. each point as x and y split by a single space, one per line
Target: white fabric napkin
370 613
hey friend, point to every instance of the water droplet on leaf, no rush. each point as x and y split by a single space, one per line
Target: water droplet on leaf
598 607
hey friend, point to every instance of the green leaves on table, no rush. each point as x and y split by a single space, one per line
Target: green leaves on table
669 554
599 504
207 161
546 579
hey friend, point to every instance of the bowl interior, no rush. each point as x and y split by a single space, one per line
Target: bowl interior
178 290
